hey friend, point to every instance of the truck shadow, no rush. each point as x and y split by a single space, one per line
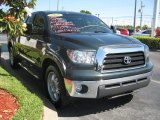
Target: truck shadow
82 107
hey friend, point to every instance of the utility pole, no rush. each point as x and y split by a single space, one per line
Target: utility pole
141 12
57 5
135 14
112 20
155 16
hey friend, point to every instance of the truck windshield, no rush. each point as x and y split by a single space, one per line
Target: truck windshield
72 23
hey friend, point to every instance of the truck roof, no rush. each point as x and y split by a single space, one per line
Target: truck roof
61 12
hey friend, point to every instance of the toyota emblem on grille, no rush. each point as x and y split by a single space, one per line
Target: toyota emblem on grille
127 60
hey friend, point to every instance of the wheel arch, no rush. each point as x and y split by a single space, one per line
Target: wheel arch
57 63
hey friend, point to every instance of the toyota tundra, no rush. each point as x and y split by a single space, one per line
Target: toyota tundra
78 55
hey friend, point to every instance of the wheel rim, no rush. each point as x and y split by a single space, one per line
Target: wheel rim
53 89
11 56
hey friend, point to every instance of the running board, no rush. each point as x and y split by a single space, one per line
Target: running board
28 71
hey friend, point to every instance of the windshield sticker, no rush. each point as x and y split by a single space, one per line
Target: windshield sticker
60 25
55 15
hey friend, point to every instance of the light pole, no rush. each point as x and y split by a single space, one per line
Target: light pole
57 4
141 12
116 22
135 13
155 16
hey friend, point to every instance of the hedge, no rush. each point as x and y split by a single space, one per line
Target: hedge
152 42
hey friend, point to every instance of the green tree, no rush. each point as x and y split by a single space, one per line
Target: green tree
138 27
145 27
125 26
11 20
86 12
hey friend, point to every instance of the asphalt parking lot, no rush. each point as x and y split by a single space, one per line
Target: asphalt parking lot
144 104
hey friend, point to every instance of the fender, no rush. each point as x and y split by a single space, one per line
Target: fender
50 55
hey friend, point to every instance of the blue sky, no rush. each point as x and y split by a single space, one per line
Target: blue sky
106 8
121 10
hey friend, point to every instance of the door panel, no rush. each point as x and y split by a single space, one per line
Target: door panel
31 46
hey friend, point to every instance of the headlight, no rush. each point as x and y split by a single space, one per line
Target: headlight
146 50
85 57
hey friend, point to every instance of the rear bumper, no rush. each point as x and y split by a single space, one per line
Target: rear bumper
112 87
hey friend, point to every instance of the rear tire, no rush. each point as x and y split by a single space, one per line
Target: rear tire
55 87
12 59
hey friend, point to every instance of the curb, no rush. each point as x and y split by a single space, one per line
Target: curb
50 114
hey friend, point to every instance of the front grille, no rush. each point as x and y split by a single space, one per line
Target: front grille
116 60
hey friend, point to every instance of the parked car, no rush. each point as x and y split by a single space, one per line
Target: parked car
123 31
114 29
143 33
77 55
158 32
131 32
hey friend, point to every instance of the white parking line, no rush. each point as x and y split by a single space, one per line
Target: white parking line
155 81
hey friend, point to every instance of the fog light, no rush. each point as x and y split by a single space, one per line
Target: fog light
79 88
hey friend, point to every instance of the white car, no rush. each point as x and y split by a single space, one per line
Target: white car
118 32
143 33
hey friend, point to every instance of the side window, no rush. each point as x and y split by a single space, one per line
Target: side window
38 24
38 21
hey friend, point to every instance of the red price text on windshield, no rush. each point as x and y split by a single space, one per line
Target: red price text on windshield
60 25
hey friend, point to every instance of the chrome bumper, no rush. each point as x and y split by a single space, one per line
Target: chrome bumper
104 88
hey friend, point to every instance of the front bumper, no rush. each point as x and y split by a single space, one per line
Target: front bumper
108 84
112 87
94 82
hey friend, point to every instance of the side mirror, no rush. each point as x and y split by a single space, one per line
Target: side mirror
113 28
29 28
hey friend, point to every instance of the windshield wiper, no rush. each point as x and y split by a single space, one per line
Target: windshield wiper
91 26
99 31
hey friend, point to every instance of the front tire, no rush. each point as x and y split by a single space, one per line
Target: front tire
12 59
55 87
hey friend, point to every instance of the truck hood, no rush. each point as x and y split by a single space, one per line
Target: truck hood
96 40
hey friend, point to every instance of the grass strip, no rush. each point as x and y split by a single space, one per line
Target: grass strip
31 106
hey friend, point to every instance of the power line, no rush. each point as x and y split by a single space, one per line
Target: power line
127 16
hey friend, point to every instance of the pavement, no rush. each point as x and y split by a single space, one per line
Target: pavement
143 104
32 84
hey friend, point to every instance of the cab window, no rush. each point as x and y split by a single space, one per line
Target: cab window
38 21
